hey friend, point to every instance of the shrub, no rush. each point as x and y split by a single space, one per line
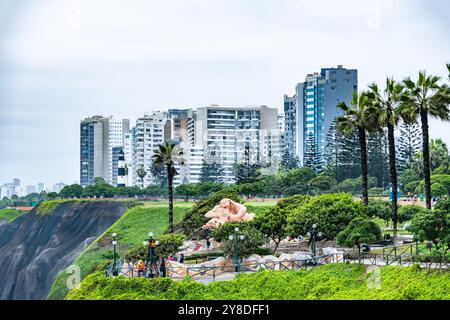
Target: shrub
438 190
407 212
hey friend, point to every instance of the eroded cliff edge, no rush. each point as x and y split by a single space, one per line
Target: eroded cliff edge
34 248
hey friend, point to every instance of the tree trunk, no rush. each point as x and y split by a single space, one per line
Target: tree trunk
364 170
426 157
170 186
394 184
277 243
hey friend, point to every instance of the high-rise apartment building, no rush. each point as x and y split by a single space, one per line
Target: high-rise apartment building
58 187
151 131
234 133
310 112
98 136
30 189
129 148
40 187
190 172
116 134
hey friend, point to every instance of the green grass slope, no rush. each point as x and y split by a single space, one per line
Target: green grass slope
10 214
335 281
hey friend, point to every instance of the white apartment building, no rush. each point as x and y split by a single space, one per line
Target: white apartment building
189 172
128 149
151 131
98 136
235 132
116 134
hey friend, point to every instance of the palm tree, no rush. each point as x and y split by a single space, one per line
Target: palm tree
354 119
141 172
168 154
383 113
422 99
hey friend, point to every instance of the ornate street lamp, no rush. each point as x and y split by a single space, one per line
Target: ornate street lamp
313 235
236 238
115 272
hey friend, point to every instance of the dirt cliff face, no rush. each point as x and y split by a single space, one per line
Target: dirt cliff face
33 248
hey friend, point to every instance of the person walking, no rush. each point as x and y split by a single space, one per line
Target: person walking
162 267
208 244
140 266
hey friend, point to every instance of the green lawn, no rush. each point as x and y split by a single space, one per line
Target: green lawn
133 227
10 214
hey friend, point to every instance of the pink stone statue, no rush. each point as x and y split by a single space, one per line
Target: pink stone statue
227 211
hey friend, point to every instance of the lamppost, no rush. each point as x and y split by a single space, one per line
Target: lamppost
313 235
114 243
151 243
236 238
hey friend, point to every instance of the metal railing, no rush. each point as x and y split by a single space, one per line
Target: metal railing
405 256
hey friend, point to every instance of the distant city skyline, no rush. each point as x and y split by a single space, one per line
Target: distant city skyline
63 61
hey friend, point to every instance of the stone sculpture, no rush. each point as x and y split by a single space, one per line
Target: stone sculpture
227 211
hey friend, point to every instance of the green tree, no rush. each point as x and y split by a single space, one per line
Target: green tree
383 114
272 223
288 161
439 156
187 190
409 142
159 173
295 181
141 172
359 231
339 153
438 190
354 118
422 99
378 157
407 212
211 172
321 183
380 209
432 225
313 158
331 212
71 191
246 172
168 154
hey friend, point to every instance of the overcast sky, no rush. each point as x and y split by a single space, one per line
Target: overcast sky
63 60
